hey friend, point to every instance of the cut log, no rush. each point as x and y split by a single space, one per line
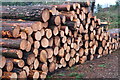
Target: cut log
57 41
37 35
26 13
83 59
29 57
52 67
17 62
81 52
28 47
23 35
36 64
13 43
55 31
21 73
11 53
30 39
61 52
55 20
43 67
35 51
2 61
63 62
36 44
26 68
71 62
9 76
48 33
72 52
67 57
56 49
50 52
8 66
51 42
65 7
34 74
44 43
43 56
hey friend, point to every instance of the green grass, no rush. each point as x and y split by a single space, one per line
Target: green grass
49 76
61 74
102 65
73 74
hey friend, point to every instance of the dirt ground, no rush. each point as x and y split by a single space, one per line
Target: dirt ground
104 67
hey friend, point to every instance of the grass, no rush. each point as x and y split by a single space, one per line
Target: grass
61 74
73 74
102 65
49 76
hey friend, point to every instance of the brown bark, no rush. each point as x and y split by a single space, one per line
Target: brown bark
26 13
11 53
13 43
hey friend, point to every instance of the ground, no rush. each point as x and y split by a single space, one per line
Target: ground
104 67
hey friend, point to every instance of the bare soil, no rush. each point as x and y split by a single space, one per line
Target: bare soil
104 67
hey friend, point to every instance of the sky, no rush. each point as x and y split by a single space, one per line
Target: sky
105 3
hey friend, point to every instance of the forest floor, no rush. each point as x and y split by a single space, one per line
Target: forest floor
104 67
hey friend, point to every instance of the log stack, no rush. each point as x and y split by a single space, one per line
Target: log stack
39 40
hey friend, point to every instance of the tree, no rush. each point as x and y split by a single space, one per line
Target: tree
99 7
117 3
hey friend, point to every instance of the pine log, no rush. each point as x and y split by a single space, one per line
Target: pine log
43 56
44 43
11 53
52 67
48 33
43 67
50 52
9 76
33 74
55 20
1 72
65 7
13 43
26 68
8 66
26 13
36 64
20 72
17 62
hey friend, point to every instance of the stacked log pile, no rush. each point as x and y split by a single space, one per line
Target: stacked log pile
55 36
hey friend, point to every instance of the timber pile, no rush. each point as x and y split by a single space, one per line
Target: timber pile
54 37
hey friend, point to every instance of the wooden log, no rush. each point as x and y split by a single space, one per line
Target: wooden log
81 52
1 72
48 33
9 76
30 39
13 43
65 7
52 67
63 62
61 52
65 29
36 64
56 50
40 14
44 43
3 61
17 62
43 75
26 68
9 31
67 57
57 41
28 47
49 52
43 56
55 20
29 58
51 42
26 26
83 59
11 53
34 74
37 35
43 67
71 25
20 72
63 19
72 53
36 44
8 66
71 62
